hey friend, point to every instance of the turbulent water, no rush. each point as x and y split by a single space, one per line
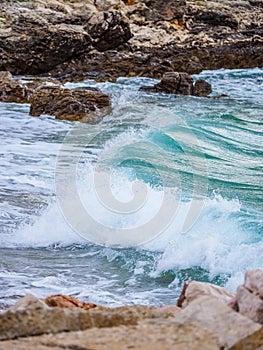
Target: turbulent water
194 165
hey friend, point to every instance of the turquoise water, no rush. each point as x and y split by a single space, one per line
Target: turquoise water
185 182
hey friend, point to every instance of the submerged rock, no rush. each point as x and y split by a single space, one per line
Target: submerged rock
79 104
250 296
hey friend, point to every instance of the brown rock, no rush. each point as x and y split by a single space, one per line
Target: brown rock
250 296
31 316
193 290
202 88
176 83
216 317
108 30
11 90
80 104
61 300
252 342
153 335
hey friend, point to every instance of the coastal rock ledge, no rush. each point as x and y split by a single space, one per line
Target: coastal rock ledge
206 317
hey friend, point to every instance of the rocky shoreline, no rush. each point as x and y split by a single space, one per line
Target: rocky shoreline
79 39
206 316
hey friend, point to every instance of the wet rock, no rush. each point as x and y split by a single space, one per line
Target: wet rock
32 316
66 301
153 335
215 316
180 84
176 83
202 88
79 104
11 90
250 296
108 30
193 290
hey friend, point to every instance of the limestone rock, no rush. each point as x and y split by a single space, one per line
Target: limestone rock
228 325
11 90
31 316
202 88
79 104
192 290
153 335
61 300
250 296
252 342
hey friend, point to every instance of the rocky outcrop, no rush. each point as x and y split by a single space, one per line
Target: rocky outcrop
79 104
250 296
34 38
180 84
112 38
32 316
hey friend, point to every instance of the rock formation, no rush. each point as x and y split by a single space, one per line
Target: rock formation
112 38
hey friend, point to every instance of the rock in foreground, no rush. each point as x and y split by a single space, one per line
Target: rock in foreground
79 104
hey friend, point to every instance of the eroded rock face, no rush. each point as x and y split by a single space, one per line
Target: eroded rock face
80 104
250 296
202 88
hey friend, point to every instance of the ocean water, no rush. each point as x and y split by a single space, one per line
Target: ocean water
162 190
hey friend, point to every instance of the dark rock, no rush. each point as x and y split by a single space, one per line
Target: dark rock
12 90
108 30
176 83
164 10
202 88
217 19
80 104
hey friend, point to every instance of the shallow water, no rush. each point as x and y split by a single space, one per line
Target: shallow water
197 213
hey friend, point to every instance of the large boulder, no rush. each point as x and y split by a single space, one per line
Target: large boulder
250 296
216 317
193 290
79 104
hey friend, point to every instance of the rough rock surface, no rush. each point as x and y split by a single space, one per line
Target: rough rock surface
11 90
250 296
93 39
85 104
31 316
216 317
180 83
193 290
252 342
152 335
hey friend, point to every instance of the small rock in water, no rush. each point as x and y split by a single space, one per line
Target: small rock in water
202 88
66 301
11 90
79 104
